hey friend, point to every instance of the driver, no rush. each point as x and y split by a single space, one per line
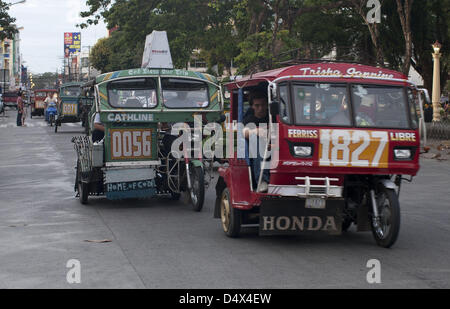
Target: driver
365 112
258 102
99 129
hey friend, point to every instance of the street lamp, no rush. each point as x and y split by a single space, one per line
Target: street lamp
11 4
436 100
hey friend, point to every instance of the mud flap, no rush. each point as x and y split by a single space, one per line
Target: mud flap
291 217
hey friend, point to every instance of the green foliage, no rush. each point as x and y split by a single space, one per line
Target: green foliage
45 80
6 22
258 35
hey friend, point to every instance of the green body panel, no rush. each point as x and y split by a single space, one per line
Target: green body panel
118 118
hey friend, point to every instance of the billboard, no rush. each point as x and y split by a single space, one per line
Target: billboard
72 43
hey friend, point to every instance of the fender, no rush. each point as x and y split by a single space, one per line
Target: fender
220 186
387 183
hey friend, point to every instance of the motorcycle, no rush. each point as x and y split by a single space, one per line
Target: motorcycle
51 113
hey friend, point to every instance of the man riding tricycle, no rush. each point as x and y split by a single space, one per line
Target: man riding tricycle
68 106
85 102
323 146
41 98
130 152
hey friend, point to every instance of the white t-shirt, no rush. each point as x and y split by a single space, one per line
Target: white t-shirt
97 118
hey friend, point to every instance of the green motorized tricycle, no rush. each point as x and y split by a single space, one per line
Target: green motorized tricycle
68 105
129 151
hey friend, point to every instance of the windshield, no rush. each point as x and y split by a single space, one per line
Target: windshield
71 91
133 93
321 104
184 93
380 107
370 106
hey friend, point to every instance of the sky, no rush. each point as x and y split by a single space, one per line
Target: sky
44 22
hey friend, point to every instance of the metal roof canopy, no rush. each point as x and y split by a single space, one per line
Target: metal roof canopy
327 72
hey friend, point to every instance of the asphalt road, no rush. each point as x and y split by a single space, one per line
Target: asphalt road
160 243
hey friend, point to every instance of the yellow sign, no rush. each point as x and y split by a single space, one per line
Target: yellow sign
354 148
131 144
70 109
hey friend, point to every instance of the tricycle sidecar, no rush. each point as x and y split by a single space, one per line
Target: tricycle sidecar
341 139
68 105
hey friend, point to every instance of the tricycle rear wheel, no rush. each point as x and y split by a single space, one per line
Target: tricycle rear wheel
83 188
197 192
230 217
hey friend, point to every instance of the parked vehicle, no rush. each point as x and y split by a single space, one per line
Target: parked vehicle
2 106
10 99
38 103
133 157
68 107
343 137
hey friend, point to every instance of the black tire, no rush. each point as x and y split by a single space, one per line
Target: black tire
389 210
82 188
52 120
197 193
175 196
230 217
56 127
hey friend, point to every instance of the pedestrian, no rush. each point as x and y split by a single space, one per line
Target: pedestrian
20 108
24 113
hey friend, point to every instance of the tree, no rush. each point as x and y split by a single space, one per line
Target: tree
45 80
404 8
8 29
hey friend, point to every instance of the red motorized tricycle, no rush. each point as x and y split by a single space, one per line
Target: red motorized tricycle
341 139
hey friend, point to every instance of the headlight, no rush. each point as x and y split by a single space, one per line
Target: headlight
402 153
302 151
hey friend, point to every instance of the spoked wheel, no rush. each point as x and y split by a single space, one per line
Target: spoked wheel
231 217
388 228
197 192
82 187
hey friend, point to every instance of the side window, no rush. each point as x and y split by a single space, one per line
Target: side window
414 108
284 104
